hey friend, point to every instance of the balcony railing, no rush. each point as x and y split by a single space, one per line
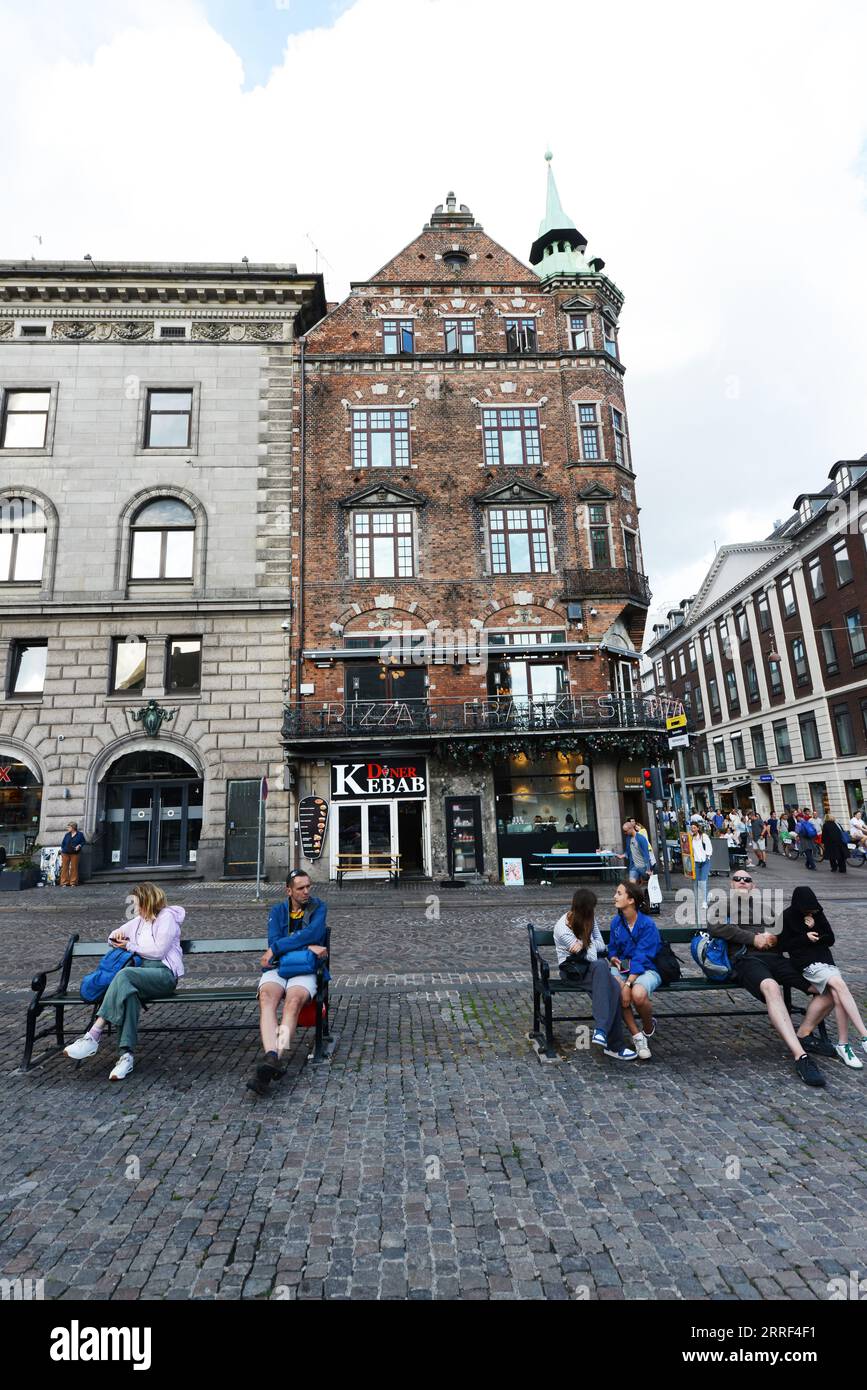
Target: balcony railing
587 583
359 719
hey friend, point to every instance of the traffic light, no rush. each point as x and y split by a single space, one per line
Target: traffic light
668 781
652 779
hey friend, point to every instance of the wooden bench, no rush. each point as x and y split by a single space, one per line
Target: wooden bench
547 983
313 1015
369 866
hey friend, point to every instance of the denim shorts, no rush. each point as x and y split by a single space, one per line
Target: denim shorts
651 979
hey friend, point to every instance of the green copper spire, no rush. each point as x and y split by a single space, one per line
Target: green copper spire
559 247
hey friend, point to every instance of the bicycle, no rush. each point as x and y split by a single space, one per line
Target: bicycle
856 856
793 849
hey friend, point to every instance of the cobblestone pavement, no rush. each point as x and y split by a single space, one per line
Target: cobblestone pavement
433 1156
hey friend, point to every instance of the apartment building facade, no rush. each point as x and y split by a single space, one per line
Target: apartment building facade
471 595
770 660
147 443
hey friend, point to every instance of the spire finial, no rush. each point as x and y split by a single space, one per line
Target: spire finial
549 156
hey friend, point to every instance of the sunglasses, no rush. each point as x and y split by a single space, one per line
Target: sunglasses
744 878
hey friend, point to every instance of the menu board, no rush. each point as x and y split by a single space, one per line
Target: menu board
312 823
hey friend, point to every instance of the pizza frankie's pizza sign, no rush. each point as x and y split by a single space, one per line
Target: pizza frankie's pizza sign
404 777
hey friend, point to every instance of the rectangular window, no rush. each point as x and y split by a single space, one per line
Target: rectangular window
693 663
660 674
844 731
609 337
829 649
719 750
810 735
25 419
630 551
578 338
713 692
732 691
687 702
842 564
681 656
706 645
672 668
742 626
760 752
520 335
397 336
799 661
618 424
789 793
128 660
781 741
752 680
382 545
519 540
724 638
738 758
764 613
854 795
183 664
790 607
173 330
590 441
27 667
512 436
699 704
168 419
857 643
460 336
817 579
380 438
819 797
775 676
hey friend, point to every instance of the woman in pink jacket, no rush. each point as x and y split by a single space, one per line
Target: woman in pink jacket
154 934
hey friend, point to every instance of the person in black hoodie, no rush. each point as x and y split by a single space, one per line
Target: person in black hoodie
807 938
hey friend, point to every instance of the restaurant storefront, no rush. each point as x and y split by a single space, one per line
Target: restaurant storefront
544 804
380 810
20 806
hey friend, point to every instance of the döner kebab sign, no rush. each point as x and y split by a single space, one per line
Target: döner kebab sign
357 780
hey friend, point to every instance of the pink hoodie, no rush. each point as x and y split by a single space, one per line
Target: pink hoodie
158 940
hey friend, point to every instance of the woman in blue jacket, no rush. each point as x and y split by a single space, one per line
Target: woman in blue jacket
632 951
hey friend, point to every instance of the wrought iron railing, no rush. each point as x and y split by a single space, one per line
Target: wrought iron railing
585 583
453 718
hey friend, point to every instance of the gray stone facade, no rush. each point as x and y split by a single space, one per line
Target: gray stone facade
100 357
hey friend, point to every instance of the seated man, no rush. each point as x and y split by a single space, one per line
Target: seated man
760 968
296 936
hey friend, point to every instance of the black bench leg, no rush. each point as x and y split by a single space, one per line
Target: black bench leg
549 1029
317 1048
58 1026
536 1013
29 1034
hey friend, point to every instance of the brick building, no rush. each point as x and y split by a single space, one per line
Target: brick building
770 659
146 445
470 596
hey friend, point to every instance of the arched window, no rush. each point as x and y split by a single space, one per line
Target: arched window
23 528
163 533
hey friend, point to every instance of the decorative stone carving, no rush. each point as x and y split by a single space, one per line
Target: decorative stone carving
132 329
152 716
73 329
211 332
263 332
6 326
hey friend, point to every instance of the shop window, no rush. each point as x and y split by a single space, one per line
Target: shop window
542 795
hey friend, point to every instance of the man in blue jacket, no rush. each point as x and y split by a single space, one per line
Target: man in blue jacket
296 937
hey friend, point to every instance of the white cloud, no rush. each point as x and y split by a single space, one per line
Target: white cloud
714 158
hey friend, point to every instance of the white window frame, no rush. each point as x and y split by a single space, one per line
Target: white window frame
596 526
681 661
21 324
185 324
623 437
596 425
639 560
588 330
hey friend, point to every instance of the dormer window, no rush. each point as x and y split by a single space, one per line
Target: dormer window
844 479
806 511
455 259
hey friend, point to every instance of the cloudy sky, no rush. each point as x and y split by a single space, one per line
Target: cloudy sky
715 156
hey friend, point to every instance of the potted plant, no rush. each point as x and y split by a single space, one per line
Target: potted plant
559 847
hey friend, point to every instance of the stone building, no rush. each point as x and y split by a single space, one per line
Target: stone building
146 448
471 595
770 660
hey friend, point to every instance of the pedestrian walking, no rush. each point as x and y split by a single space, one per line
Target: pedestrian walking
835 843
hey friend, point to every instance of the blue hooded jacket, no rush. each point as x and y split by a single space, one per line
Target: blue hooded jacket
638 946
290 947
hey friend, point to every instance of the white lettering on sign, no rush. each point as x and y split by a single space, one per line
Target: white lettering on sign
346 780
377 779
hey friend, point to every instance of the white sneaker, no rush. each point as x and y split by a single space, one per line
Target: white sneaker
81 1048
122 1067
847 1055
639 1042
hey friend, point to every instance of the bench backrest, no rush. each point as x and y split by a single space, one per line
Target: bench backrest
229 945
674 935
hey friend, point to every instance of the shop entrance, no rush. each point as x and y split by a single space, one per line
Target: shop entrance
153 812
369 828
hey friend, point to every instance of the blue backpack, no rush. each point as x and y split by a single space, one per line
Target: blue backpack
807 829
710 953
94 985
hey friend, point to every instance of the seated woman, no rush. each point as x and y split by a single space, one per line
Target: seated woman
154 934
807 939
581 958
632 950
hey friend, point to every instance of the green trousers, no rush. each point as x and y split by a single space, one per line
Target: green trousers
130 988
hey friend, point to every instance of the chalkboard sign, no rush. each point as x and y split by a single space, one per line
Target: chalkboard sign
312 821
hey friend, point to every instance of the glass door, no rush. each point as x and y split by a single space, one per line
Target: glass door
366 828
171 825
140 809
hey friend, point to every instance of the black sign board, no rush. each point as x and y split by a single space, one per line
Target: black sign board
312 821
399 778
